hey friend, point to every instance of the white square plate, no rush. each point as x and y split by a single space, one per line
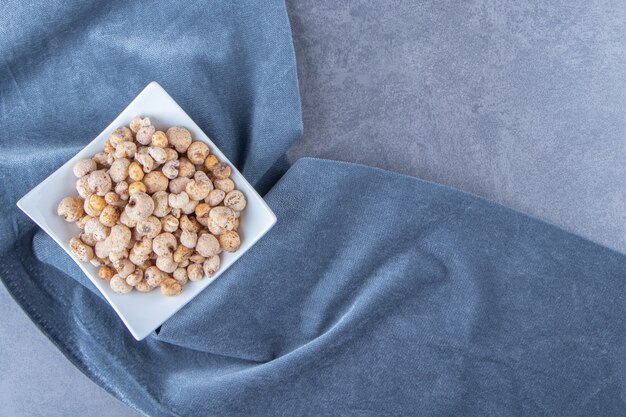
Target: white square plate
143 312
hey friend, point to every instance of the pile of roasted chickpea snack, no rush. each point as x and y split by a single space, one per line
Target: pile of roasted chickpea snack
155 208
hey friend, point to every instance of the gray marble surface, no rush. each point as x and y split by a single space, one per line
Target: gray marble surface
523 104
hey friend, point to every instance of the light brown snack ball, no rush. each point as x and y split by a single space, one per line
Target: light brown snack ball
135 171
170 287
180 275
113 199
103 159
235 200
172 155
144 134
149 227
224 217
121 188
82 186
115 256
197 152
143 286
99 182
140 206
226 185
108 148
143 246
153 276
178 185
94 204
179 138
221 171
109 216
189 223
158 154
127 221
124 267
102 249
178 200
197 258
155 181
84 167
182 253
229 240
135 278
81 250
200 187
139 122
119 285
80 223
215 197
195 272
137 187
207 245
88 239
125 150
147 163
210 162
164 244
166 263
169 223
159 139
119 169
106 273
170 169
71 209
189 239
161 206
211 265
121 134
190 207
96 229
118 239
185 168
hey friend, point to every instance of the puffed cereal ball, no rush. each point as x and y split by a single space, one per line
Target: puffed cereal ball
94 205
179 138
194 272
82 251
139 122
109 216
170 287
207 245
140 206
229 240
135 171
226 185
84 167
119 285
71 209
106 273
235 200
159 139
119 135
211 265
155 181
197 152
164 244
99 182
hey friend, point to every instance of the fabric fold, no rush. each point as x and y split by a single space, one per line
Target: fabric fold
373 293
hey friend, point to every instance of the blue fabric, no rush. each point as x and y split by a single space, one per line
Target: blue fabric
375 293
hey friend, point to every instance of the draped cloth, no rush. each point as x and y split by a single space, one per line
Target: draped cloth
375 293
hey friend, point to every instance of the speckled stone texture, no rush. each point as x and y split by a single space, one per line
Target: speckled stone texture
520 102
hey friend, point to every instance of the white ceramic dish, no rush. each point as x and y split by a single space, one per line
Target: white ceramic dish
142 312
